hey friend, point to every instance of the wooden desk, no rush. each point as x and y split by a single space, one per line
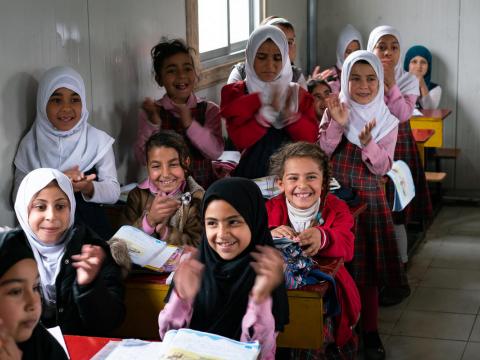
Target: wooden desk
84 347
145 296
421 137
431 119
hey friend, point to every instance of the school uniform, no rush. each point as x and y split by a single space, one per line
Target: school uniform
93 309
337 241
223 305
184 227
203 137
42 345
401 99
253 125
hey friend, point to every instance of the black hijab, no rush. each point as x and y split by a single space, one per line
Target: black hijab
13 248
223 297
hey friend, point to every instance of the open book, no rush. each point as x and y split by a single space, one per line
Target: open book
404 186
183 344
147 251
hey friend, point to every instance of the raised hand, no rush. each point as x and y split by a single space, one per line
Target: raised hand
268 265
185 115
88 263
188 276
150 108
8 347
310 240
337 109
365 135
388 77
163 207
283 231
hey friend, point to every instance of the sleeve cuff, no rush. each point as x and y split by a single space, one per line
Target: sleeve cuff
146 226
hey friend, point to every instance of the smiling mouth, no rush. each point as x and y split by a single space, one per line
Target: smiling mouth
303 195
226 244
181 86
50 230
29 323
167 182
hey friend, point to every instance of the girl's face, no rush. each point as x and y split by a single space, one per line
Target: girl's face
227 232
164 168
418 66
20 305
352 47
178 77
49 214
301 182
388 51
268 61
292 45
320 94
64 109
363 83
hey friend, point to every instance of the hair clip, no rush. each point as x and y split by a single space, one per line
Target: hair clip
186 198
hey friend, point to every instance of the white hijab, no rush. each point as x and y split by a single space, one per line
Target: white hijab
283 81
359 114
407 83
45 146
347 35
48 257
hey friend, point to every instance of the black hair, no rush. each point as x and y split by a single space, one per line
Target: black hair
313 83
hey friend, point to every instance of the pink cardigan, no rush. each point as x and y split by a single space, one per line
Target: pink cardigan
177 313
208 138
377 156
401 106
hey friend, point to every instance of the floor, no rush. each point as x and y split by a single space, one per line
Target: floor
441 318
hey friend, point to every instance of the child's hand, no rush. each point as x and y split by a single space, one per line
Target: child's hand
85 186
275 104
185 115
268 265
338 110
188 276
88 263
329 73
310 240
74 174
163 207
8 347
366 134
316 74
152 112
283 231
388 77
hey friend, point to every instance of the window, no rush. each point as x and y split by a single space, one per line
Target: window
219 30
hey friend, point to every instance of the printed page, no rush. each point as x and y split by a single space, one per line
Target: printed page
195 345
133 349
404 186
167 260
56 332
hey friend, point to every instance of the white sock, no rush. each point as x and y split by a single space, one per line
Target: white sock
402 242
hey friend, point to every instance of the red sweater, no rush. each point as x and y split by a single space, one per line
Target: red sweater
337 226
239 110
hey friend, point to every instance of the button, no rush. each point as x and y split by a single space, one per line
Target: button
67 261
60 310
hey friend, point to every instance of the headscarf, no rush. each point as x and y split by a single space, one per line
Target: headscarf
223 297
419 50
13 248
359 115
48 257
45 146
407 83
283 81
347 35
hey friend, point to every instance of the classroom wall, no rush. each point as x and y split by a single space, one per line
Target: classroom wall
449 28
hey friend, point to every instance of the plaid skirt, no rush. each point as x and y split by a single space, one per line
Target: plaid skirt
376 261
420 208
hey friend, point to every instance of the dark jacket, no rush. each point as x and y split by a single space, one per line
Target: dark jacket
93 309
41 345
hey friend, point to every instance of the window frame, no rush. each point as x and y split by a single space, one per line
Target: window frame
215 70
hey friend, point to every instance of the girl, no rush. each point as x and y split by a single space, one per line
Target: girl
235 288
155 206
61 138
401 92
320 223
21 335
418 62
320 91
266 109
81 286
180 110
349 40
238 72
359 134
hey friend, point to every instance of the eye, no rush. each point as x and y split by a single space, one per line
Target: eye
76 99
175 164
39 207
277 57
311 177
261 56
15 291
371 78
210 223
60 206
55 100
37 288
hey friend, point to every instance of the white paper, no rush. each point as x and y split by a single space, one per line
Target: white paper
56 332
233 156
404 186
417 112
131 349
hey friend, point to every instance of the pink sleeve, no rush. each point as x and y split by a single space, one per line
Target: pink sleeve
145 130
401 106
146 226
379 156
330 134
208 138
176 314
258 324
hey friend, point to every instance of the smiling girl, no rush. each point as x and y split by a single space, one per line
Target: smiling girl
359 134
154 206
267 109
61 138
